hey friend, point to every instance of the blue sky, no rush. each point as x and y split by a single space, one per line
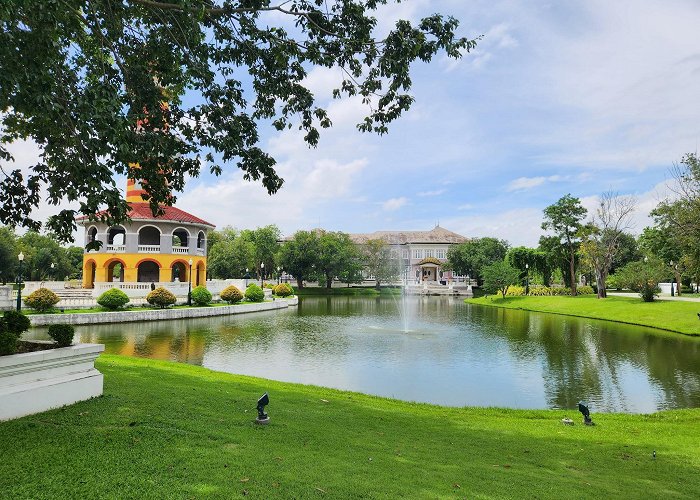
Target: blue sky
559 97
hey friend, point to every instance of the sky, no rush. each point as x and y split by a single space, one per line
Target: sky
577 97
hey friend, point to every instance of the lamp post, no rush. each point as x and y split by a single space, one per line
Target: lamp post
262 273
189 286
247 275
20 257
53 266
279 275
527 279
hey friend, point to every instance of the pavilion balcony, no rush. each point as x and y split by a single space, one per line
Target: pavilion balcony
149 248
115 249
181 250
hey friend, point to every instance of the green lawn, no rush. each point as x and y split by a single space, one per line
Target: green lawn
166 430
681 317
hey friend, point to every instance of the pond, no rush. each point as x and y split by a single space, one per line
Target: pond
452 354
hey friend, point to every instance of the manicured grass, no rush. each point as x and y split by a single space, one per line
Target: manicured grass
166 430
681 317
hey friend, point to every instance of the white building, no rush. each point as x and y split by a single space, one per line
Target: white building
422 253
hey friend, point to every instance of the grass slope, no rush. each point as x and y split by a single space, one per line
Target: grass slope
166 430
676 316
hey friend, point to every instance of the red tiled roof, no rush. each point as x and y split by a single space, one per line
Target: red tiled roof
142 211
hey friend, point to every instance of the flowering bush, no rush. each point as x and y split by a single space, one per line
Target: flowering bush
42 300
161 297
283 290
231 294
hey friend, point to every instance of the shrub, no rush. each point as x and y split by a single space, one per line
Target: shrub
643 277
271 286
283 290
231 294
515 291
201 296
12 325
499 276
62 334
161 297
585 290
42 300
254 293
113 299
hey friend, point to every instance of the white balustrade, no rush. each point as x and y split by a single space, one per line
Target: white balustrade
180 249
116 248
149 248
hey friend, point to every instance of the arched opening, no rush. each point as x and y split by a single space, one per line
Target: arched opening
116 235
200 278
181 238
115 271
89 274
148 271
91 235
201 242
149 235
179 271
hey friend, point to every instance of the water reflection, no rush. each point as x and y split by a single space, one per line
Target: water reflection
454 354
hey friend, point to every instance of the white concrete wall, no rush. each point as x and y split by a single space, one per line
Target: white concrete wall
38 381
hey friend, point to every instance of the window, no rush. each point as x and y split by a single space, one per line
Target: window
418 254
440 253
429 253
405 254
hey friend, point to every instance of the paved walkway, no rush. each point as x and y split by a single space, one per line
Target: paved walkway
660 297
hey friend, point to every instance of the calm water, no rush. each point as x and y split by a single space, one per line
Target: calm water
454 354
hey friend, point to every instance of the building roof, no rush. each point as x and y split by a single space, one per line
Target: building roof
142 211
435 235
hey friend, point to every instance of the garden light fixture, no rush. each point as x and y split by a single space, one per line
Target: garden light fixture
262 273
583 408
263 418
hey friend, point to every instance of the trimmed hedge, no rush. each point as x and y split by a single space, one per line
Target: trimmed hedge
113 299
283 290
62 334
161 297
42 300
254 293
12 325
231 294
516 291
201 296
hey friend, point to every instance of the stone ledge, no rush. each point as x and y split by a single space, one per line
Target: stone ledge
158 314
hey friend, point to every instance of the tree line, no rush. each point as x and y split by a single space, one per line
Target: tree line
599 247
44 258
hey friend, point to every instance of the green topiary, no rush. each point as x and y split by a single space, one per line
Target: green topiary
254 293
62 334
42 300
231 294
12 325
161 297
283 290
113 299
201 296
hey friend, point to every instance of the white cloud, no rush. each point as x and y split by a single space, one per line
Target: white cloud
394 203
525 183
436 192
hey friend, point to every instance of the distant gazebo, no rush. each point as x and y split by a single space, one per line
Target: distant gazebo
148 248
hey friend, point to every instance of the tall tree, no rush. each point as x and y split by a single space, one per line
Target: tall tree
498 277
379 262
298 255
336 252
8 255
266 242
601 236
471 257
149 88
564 218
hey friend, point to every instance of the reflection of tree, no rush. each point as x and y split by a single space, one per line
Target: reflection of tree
585 359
